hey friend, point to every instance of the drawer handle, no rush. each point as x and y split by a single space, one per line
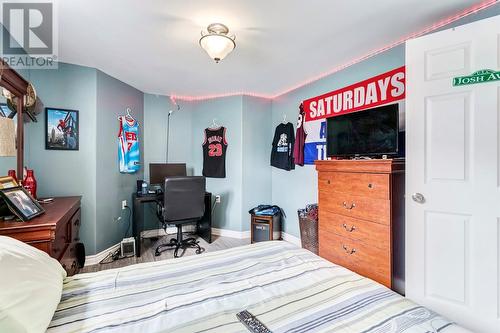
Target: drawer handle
346 250
349 207
370 185
351 229
328 181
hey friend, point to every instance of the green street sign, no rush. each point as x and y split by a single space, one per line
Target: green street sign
482 76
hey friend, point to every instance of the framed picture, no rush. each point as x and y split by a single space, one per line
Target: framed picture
61 129
7 182
21 203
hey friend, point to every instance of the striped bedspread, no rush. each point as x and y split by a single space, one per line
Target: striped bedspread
289 289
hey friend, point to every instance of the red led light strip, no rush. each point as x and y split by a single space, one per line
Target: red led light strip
435 26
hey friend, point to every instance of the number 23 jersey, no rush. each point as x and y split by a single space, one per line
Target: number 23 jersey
214 152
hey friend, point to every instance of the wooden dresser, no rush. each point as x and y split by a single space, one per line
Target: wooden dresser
361 217
55 232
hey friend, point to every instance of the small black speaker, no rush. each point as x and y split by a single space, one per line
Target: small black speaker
139 185
80 254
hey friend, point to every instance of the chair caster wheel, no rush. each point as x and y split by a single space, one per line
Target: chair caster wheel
157 254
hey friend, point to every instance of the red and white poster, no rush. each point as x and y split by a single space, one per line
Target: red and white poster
382 89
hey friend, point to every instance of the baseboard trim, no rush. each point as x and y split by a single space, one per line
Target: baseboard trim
291 239
231 233
98 257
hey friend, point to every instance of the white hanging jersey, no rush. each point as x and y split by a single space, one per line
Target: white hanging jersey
128 145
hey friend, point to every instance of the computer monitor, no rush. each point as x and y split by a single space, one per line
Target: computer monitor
159 171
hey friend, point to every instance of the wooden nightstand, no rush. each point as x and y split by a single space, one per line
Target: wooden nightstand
54 232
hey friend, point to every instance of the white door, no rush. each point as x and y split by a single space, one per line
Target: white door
453 157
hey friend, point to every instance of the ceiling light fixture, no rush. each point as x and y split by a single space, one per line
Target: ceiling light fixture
216 41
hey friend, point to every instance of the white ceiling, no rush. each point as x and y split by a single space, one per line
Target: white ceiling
153 44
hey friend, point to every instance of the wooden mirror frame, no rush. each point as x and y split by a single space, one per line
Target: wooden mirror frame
18 86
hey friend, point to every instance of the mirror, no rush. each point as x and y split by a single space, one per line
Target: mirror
6 162
20 90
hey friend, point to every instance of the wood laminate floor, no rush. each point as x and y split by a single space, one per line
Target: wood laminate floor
148 251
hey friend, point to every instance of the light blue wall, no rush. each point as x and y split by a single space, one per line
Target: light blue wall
256 141
113 97
156 109
65 173
228 112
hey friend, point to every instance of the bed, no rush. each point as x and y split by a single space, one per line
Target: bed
288 288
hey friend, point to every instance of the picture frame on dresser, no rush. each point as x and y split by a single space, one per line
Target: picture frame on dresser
21 203
7 182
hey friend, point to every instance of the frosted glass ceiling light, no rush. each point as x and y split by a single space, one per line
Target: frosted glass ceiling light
216 41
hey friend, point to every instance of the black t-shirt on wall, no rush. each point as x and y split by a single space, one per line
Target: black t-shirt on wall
282 150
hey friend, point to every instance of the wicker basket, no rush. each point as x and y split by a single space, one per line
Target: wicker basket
308 233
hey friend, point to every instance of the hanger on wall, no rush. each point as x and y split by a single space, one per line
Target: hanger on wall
129 116
284 119
214 124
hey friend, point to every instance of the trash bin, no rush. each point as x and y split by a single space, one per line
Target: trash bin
308 222
265 223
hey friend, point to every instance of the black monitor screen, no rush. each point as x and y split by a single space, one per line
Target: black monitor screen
365 133
159 171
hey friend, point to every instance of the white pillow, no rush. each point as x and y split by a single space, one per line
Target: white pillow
30 287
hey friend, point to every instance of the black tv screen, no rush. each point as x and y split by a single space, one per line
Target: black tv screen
364 133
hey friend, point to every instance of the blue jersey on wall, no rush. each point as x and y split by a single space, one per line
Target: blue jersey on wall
128 145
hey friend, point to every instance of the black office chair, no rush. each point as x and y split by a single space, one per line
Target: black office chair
183 203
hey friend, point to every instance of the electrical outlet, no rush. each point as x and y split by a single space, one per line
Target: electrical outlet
124 204
217 198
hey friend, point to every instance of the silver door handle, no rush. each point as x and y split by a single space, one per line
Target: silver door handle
418 197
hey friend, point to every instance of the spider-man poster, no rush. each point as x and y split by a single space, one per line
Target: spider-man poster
61 128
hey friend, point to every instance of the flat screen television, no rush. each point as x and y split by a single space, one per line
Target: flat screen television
372 132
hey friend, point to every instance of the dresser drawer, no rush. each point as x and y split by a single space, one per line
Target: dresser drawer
375 210
61 241
371 262
74 224
68 260
370 185
368 233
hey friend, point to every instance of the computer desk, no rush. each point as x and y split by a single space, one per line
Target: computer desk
203 227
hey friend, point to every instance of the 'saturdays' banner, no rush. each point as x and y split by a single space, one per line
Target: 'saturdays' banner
382 89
